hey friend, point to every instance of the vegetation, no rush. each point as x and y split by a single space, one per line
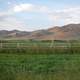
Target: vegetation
38 62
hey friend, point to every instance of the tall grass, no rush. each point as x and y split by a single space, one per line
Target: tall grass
42 67
40 62
39 47
41 50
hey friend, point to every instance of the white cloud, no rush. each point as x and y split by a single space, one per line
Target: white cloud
68 15
23 7
11 23
65 16
43 9
27 7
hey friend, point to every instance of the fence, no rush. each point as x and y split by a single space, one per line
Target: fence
25 45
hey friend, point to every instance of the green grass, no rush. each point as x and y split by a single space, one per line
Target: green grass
42 67
29 43
39 62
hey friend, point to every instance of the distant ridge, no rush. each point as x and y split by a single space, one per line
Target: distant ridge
70 31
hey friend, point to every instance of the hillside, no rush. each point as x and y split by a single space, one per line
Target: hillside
70 31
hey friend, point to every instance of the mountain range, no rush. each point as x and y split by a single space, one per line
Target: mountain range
70 31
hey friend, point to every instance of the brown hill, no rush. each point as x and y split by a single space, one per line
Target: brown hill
70 31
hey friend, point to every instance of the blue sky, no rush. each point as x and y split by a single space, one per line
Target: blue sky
32 15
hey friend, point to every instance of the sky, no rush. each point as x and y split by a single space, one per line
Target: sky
30 15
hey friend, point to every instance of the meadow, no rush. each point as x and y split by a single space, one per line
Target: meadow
39 60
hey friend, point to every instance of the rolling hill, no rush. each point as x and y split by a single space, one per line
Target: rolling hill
70 31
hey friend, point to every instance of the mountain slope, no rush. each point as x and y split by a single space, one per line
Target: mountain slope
70 31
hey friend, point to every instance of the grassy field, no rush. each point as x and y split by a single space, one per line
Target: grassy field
39 62
40 67
36 43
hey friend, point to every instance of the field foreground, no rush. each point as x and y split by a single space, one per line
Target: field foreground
39 63
40 67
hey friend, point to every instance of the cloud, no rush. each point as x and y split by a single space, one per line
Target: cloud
27 7
8 22
68 15
72 13
63 16
23 7
11 23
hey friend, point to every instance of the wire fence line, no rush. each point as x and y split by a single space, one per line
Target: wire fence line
25 45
